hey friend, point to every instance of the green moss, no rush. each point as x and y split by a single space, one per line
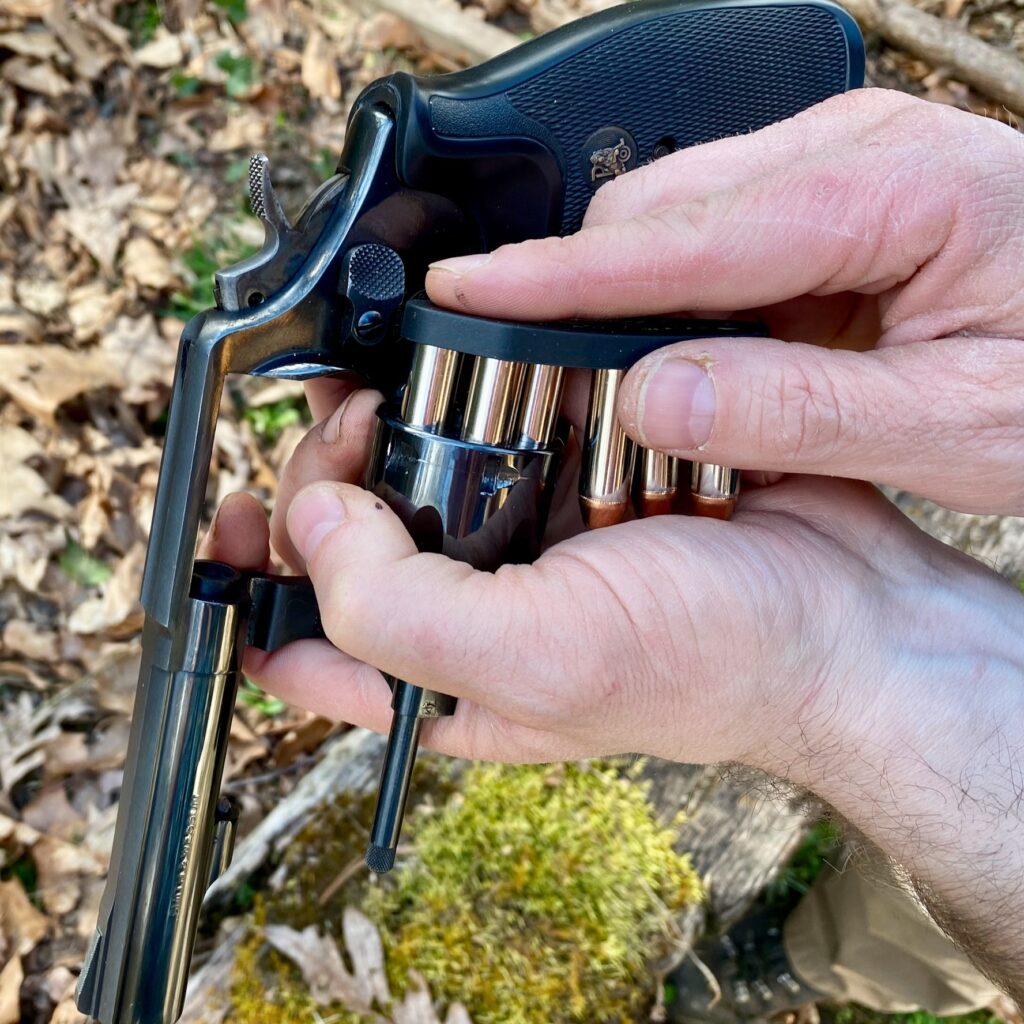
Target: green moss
534 894
333 844
537 895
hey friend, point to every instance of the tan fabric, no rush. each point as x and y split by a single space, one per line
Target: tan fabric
858 935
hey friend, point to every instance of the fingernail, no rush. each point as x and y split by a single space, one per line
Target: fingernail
462 264
677 405
314 513
331 429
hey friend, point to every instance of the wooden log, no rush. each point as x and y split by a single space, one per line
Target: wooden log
995 72
446 28
741 828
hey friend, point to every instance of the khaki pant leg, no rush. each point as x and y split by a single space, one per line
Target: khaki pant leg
862 937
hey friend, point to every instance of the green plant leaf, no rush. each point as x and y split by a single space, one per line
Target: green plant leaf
234 9
77 563
240 71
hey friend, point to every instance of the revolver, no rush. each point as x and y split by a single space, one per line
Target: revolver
468 439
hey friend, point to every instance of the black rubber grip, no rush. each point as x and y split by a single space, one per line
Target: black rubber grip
547 123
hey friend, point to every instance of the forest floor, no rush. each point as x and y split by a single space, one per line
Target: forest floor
125 133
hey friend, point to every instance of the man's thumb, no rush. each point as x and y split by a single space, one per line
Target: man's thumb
919 416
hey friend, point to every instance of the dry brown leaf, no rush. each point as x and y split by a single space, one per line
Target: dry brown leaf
97 152
319 67
22 638
146 358
39 78
67 1013
385 30
40 45
40 378
51 812
113 670
21 925
96 220
116 608
90 49
163 51
92 308
146 264
24 557
11 978
15 836
25 490
245 130
28 8
418 1008
17 325
302 738
61 869
162 186
25 731
80 752
365 949
323 970
41 295
60 988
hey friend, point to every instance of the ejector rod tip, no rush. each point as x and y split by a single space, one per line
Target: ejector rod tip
380 859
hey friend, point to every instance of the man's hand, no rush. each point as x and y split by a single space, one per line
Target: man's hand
818 635
873 220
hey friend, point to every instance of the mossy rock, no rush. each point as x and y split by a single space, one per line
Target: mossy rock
534 894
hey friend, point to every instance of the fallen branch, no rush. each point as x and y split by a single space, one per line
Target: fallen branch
990 70
446 28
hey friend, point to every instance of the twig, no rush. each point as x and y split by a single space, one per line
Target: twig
343 876
988 69
349 871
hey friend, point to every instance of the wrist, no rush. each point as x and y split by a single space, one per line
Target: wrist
927 760
940 670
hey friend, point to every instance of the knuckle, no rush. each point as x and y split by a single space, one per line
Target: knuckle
811 417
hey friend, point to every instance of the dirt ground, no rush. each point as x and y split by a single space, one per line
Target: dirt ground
125 131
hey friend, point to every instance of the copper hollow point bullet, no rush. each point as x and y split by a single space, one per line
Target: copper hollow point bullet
713 490
606 470
656 485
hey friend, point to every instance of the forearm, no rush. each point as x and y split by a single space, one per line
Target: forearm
932 771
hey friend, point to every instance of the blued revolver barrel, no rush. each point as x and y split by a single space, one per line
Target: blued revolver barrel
137 966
